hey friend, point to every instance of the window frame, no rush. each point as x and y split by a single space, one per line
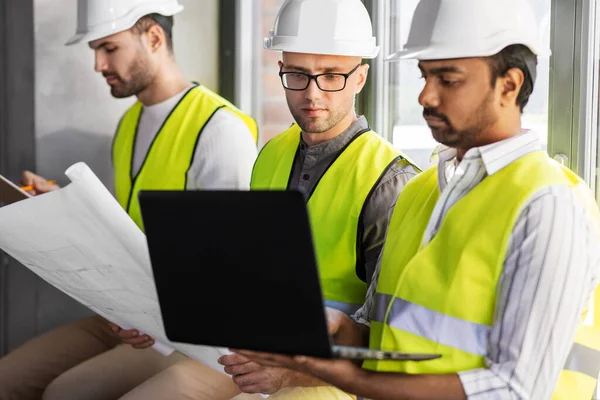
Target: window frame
573 91
573 119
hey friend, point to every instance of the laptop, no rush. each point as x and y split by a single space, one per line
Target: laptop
237 269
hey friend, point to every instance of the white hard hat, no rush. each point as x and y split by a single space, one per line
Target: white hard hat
101 18
448 29
332 27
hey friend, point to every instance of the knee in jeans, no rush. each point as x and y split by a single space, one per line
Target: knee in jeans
176 373
8 391
55 391
14 389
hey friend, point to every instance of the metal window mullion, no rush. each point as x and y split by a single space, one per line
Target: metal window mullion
562 98
243 55
377 96
585 132
386 123
248 58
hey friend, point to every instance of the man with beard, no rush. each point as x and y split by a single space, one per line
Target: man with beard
493 256
178 135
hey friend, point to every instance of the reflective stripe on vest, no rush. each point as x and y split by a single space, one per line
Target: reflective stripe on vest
418 320
335 206
172 150
464 335
584 359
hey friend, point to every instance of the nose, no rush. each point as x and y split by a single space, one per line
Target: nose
429 97
313 92
100 64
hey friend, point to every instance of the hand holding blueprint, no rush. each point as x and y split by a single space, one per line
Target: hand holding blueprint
81 241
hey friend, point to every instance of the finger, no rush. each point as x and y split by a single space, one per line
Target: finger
256 389
128 333
114 327
27 178
259 357
144 345
233 359
137 340
251 353
267 359
242 369
332 320
335 320
43 187
253 378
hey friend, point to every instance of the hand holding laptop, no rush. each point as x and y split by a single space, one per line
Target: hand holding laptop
343 330
253 377
337 372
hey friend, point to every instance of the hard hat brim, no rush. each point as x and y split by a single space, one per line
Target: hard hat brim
362 55
76 38
350 51
91 36
432 53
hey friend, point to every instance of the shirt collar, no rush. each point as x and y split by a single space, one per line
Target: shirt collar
498 155
494 157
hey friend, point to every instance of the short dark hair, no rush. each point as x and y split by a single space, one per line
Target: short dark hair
515 56
147 21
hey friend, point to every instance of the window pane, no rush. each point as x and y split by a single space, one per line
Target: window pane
409 131
273 114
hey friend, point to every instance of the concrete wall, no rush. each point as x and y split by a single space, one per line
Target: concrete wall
75 115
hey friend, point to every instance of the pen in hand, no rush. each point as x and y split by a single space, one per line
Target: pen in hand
30 187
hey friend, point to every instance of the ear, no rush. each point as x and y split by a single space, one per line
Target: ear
363 73
510 86
156 38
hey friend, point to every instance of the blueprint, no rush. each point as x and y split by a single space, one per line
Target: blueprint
80 240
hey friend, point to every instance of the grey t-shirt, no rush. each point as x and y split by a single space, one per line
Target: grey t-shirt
312 162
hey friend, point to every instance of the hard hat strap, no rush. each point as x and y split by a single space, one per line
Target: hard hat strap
531 63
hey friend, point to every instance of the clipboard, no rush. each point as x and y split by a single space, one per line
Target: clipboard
11 193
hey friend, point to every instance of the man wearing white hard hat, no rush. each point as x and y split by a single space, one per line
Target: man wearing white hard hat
492 257
178 135
350 176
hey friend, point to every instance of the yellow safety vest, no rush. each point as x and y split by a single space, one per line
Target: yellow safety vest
441 297
334 207
172 151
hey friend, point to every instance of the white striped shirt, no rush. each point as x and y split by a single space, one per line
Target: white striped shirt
551 268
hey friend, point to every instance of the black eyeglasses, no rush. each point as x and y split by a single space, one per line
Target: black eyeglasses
329 82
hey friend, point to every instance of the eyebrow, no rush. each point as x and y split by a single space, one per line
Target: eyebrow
324 70
101 45
442 70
